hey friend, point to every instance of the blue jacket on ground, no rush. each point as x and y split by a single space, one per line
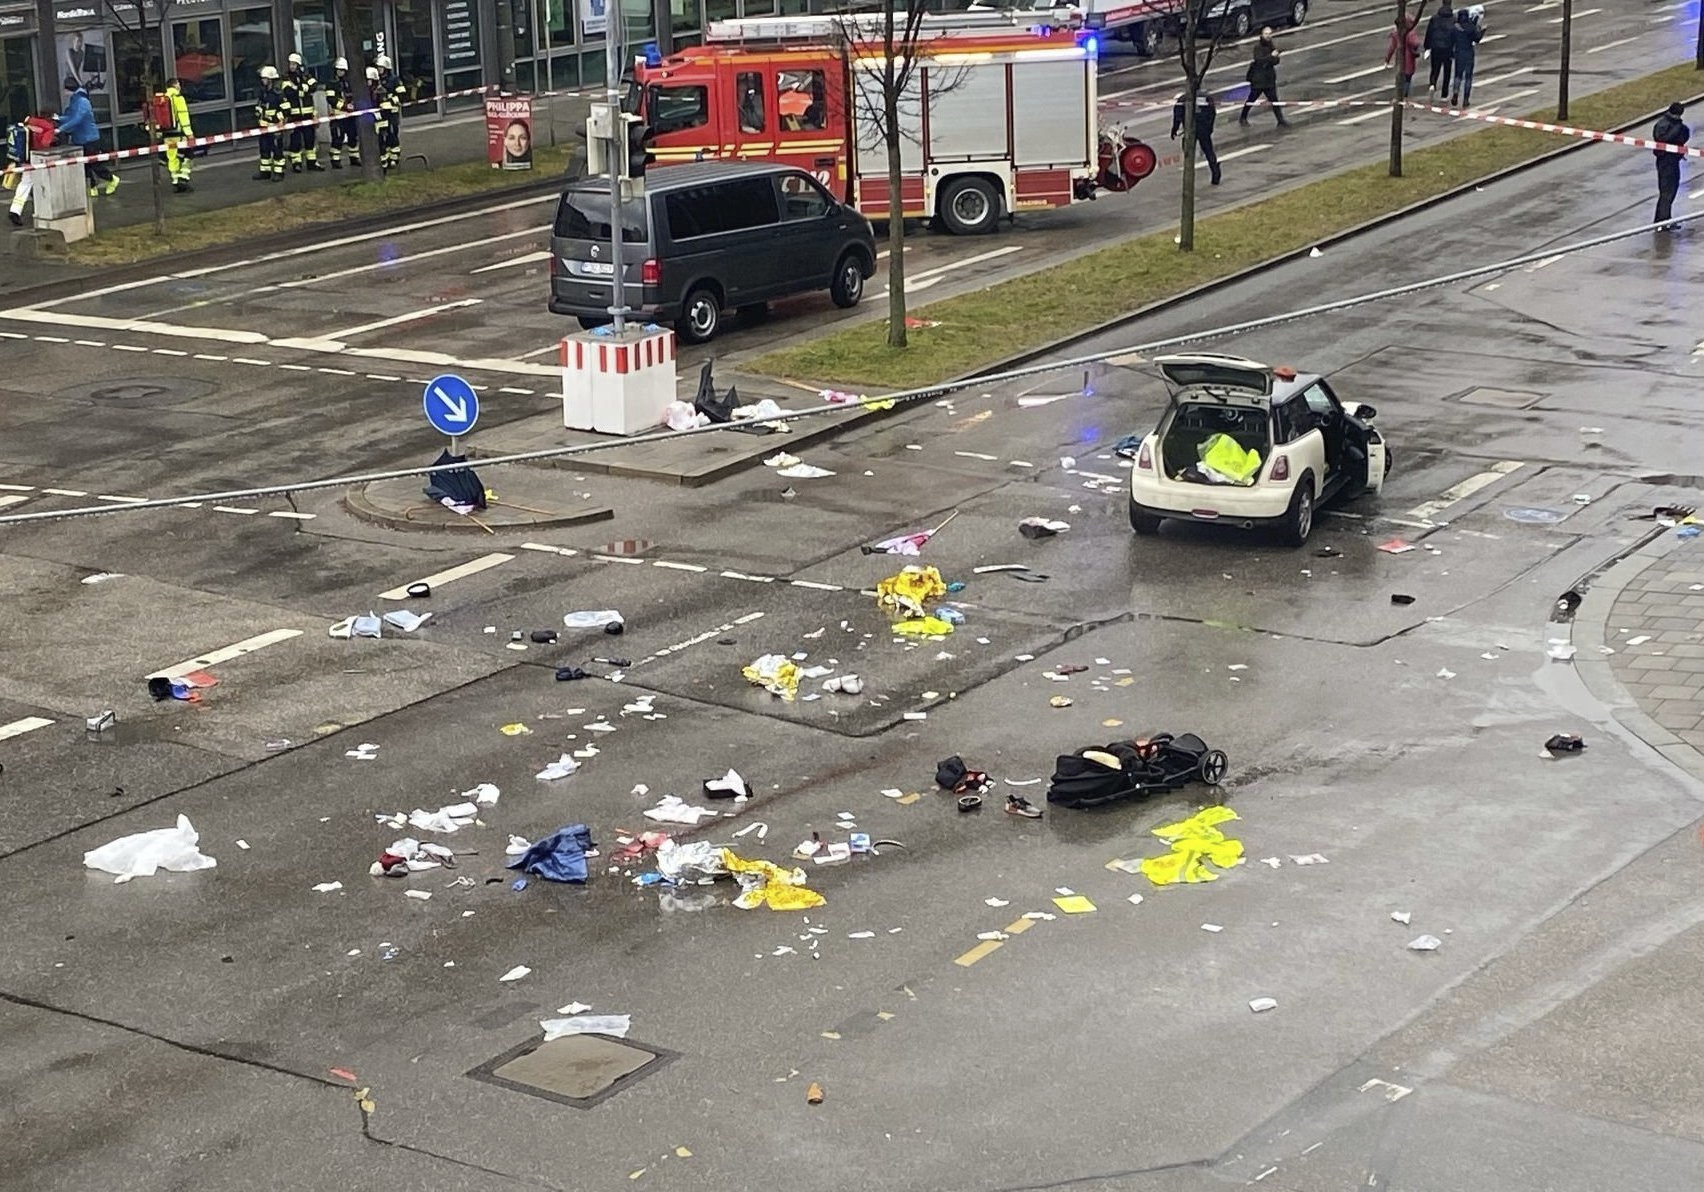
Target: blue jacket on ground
77 122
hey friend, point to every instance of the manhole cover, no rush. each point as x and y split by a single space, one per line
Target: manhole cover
1508 399
140 392
580 1070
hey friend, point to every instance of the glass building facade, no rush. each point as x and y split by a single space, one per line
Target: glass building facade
217 47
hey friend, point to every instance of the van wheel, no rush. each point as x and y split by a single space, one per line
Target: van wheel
1145 524
847 288
1148 40
1298 519
700 316
969 207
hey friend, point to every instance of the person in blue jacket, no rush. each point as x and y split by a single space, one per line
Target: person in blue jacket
1469 28
77 126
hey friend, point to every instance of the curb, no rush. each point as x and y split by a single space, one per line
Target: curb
1590 630
699 479
1033 354
356 504
101 277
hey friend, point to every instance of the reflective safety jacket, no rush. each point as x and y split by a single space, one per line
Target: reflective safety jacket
180 114
269 106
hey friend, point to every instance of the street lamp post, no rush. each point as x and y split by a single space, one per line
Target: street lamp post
615 30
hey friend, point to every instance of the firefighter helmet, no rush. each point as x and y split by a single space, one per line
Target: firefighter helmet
383 62
372 74
294 59
341 64
268 73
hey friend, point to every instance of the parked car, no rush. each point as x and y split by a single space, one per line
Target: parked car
1252 446
1239 18
705 238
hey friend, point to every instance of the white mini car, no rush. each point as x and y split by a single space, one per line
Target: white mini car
1285 442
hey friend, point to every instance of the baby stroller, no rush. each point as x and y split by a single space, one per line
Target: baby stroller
1134 769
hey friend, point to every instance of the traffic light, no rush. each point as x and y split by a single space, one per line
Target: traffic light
639 139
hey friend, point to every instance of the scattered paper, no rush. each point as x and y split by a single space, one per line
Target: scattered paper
1310 859
1425 943
996 903
1074 904
675 810
1267 1003
804 472
327 887
406 621
613 1025
560 768
1395 546
1213 927
1402 916
516 973
573 1008
1134 900
417 895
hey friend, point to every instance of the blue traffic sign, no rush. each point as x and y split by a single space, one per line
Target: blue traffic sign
452 407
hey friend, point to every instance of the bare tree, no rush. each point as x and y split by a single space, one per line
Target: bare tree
1567 57
132 18
367 137
1196 58
883 52
1400 25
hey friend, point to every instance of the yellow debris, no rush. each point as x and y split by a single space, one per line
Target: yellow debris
514 730
1074 904
1195 844
682 1153
776 674
906 591
924 627
781 889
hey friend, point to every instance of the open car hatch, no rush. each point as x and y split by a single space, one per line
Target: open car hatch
1213 370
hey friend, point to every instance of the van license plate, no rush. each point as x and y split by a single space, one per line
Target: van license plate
598 268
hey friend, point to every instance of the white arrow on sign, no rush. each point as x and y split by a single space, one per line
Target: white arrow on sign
455 409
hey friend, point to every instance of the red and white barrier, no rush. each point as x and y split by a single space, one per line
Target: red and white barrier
617 386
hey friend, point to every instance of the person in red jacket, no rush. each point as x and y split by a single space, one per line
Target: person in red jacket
1404 38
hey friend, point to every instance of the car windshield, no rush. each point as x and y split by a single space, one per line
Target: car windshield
584 215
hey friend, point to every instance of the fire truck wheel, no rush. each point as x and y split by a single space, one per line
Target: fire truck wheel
700 315
847 288
969 207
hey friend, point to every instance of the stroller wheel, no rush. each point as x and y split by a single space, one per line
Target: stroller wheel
1214 763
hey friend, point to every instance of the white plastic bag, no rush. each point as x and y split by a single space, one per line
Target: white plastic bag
615 1025
141 854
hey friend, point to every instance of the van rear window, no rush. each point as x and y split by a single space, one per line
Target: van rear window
585 215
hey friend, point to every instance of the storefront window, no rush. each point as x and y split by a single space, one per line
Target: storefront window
17 78
757 8
720 10
683 20
311 34
559 22
251 49
138 66
641 18
198 58
413 51
460 45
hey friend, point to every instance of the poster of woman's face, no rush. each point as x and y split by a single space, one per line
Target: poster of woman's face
517 143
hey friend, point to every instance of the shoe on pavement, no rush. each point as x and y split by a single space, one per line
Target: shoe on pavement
316 167
336 165
112 184
94 190
17 218
182 188
1018 805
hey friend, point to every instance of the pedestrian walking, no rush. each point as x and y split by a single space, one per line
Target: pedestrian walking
1464 49
1206 112
1668 130
1440 47
1263 78
269 113
1405 40
77 127
32 132
340 102
297 90
171 118
388 97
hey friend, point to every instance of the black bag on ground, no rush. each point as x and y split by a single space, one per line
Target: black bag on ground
1130 769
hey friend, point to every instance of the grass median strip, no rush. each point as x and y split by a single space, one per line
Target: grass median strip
302 208
987 325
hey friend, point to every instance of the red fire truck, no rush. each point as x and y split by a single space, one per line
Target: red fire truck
998 117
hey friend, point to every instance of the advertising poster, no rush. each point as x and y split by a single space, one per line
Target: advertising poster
592 17
508 132
83 56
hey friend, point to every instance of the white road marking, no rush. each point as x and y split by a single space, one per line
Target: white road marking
1510 98
236 650
251 360
121 500
525 259
566 551
1460 492
928 277
1236 153
1610 45
65 492
1376 112
234 509
291 514
394 320
18 728
816 587
1241 66
1481 84
336 372
209 356
516 392
756 579
97 343
18 488
394 262
670 565
53 339
1537 265
128 348
8 502
627 559
1359 74
1586 13
156 351
30 314
473 567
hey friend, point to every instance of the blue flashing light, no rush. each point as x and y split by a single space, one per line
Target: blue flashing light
1091 46
652 55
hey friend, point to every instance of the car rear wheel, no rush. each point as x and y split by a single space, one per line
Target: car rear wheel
1298 12
1143 523
1241 24
700 316
969 207
1298 519
847 288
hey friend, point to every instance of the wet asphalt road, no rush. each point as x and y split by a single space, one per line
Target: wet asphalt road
184 1028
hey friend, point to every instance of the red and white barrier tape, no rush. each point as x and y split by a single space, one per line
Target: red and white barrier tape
225 138
1589 134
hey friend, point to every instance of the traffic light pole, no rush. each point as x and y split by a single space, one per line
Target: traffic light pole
615 30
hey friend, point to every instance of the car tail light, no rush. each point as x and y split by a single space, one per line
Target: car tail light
1145 458
1280 469
651 273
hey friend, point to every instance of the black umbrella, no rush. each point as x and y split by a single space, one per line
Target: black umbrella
460 486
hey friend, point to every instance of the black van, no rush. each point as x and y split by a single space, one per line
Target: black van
705 237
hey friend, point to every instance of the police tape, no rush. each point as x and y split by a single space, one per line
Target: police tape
1588 134
226 138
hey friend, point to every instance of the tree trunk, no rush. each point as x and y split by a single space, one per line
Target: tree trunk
896 220
1398 99
1567 55
156 167
367 136
1186 224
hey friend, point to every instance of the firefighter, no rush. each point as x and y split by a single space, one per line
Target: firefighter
172 116
269 111
345 131
298 90
384 115
392 92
